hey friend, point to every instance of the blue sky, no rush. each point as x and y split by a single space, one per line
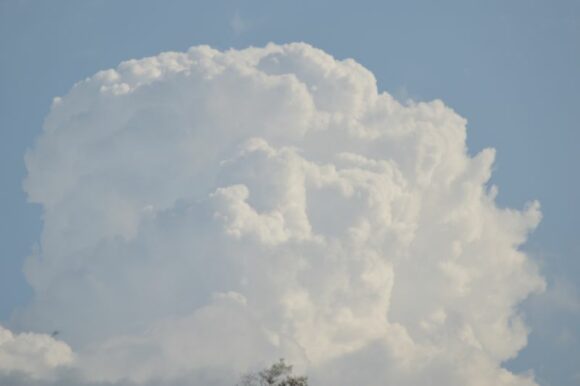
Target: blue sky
512 68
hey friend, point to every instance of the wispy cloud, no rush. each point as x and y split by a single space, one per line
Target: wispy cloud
238 24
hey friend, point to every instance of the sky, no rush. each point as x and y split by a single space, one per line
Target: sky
509 68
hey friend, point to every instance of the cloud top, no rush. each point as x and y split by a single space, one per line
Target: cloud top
206 212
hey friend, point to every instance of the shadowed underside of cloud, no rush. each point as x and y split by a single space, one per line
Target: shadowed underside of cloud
208 212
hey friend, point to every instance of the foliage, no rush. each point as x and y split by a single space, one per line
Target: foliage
279 374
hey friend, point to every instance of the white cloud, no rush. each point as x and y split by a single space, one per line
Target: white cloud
30 354
208 212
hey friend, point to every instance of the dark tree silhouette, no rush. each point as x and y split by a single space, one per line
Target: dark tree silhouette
279 374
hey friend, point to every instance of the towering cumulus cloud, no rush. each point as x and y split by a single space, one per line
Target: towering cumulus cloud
206 213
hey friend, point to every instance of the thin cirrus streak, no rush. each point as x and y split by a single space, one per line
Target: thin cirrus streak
208 212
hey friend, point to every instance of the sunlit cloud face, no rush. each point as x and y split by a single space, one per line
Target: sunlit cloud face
208 212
